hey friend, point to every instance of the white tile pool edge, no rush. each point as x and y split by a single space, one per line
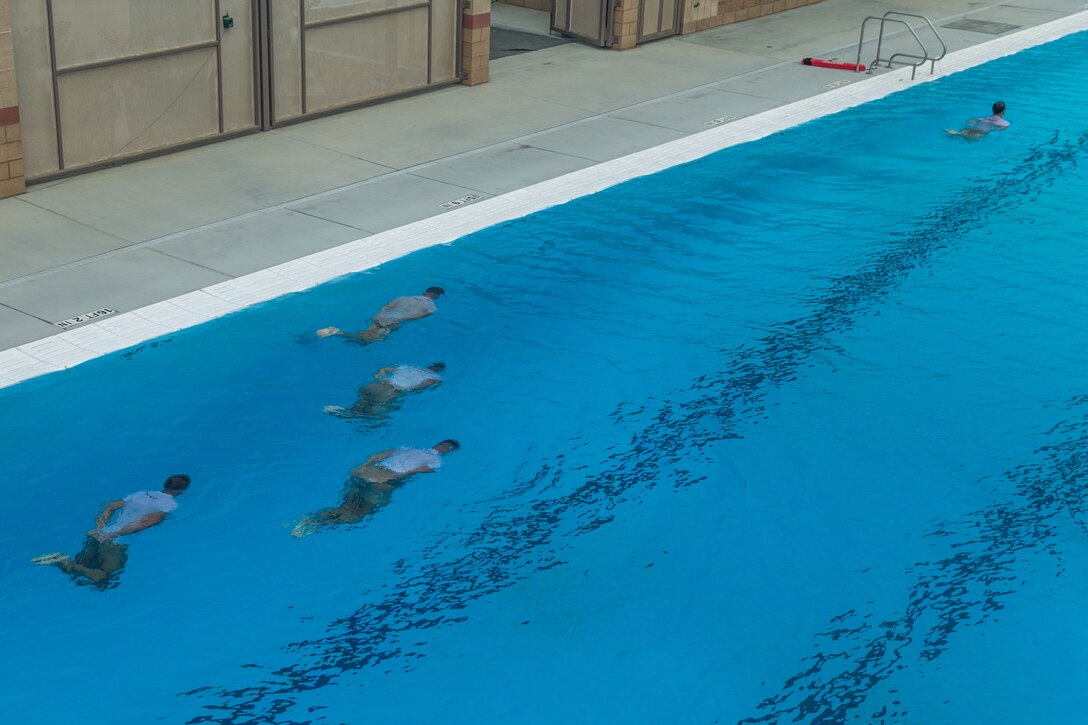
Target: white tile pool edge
97 339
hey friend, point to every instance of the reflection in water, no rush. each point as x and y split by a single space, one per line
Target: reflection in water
964 588
516 540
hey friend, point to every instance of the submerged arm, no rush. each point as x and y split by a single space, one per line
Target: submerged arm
144 523
379 456
104 517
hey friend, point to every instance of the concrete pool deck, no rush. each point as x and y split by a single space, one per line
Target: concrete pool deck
140 234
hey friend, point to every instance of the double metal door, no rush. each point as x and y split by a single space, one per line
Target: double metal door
104 81
315 56
591 20
658 19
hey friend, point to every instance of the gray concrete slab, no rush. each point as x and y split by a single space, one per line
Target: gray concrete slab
695 111
600 83
504 168
252 243
36 239
440 124
167 194
1013 14
390 203
1064 7
604 138
954 39
792 82
19 328
124 281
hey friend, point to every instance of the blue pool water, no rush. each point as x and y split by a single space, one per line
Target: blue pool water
796 433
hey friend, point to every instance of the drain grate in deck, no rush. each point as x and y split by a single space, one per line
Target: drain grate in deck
981 26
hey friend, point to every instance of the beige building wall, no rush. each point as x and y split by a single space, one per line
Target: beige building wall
12 179
704 14
476 42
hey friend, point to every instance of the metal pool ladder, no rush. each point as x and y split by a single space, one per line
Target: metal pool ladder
894 16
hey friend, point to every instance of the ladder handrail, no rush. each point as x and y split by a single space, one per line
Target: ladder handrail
880 37
930 58
884 20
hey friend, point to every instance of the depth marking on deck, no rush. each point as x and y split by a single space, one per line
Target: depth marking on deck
129 329
85 317
838 84
461 202
720 120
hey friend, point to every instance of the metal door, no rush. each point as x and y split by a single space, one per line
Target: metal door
586 20
109 80
320 56
113 80
658 19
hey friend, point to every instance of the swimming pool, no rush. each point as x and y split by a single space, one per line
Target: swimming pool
796 431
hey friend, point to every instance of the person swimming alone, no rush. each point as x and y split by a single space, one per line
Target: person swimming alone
978 127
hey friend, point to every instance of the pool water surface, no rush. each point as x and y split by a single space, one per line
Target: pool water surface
797 432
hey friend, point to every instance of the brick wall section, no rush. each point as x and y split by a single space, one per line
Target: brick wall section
704 14
625 24
475 42
11 143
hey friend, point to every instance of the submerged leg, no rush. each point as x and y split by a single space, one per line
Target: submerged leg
312 523
375 332
97 562
360 500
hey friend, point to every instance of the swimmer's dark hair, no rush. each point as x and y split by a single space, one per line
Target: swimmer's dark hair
454 445
437 366
434 291
999 107
177 482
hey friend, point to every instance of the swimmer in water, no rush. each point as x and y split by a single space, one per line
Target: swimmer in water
979 127
390 317
102 558
371 485
390 383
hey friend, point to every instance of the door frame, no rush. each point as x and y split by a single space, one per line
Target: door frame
604 37
661 33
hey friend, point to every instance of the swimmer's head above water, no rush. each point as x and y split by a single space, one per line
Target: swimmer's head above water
176 484
447 446
436 367
434 292
999 108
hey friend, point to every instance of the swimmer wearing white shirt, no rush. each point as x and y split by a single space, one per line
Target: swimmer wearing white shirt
102 556
371 485
390 383
390 317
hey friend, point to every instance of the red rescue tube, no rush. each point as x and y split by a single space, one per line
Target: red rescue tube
828 64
